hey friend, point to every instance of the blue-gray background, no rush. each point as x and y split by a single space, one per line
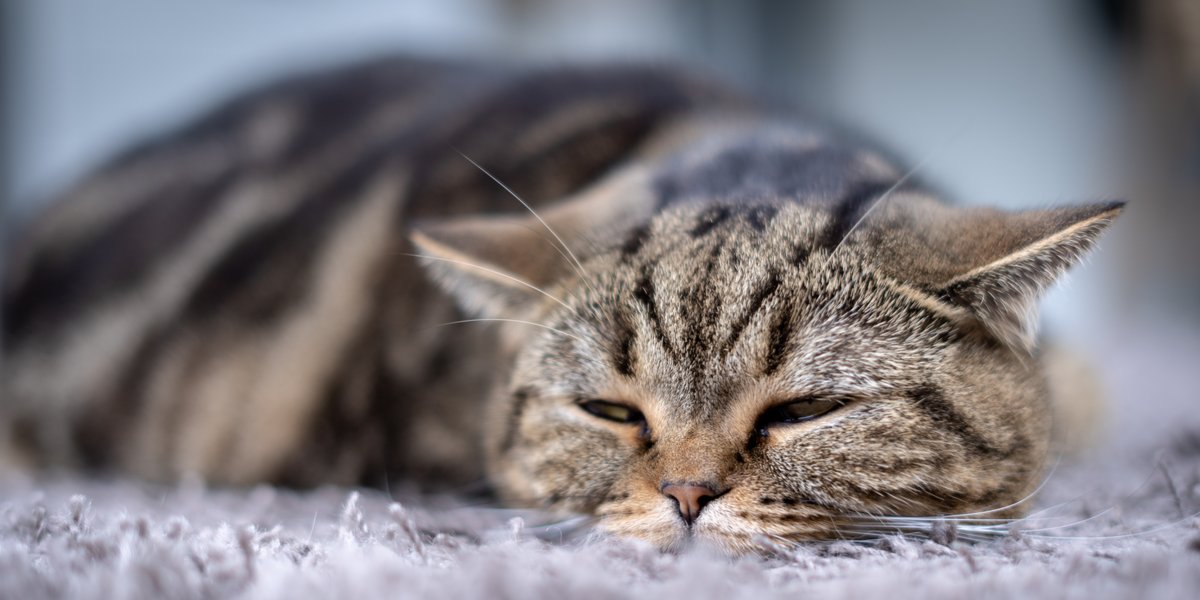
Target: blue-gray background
1020 103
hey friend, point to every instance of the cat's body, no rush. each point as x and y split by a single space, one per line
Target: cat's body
722 323
189 259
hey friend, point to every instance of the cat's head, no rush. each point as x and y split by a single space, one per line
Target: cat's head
741 367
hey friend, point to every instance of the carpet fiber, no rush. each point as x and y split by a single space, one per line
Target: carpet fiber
1119 524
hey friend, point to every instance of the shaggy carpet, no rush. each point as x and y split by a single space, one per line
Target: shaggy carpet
1118 524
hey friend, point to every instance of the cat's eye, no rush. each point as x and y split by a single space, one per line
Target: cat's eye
612 411
798 410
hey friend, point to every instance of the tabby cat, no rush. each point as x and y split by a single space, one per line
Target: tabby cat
721 323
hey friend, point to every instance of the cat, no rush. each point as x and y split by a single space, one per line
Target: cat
619 291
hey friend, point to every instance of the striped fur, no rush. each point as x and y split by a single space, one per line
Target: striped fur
239 300
151 313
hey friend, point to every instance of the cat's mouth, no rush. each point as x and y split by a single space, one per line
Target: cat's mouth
729 525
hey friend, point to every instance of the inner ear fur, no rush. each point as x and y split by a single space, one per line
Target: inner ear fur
992 263
501 265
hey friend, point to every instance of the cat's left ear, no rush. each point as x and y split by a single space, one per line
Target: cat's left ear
1032 250
506 266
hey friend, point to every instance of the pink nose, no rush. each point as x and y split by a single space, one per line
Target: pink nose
690 498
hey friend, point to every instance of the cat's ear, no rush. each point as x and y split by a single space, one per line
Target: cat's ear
505 266
493 266
1026 253
988 265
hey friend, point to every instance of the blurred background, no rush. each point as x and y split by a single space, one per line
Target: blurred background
1020 103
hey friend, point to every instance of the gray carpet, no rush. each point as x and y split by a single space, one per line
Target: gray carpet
1118 524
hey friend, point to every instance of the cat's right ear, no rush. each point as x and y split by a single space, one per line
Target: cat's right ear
493 266
505 265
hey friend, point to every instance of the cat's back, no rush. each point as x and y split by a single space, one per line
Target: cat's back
305 145
233 298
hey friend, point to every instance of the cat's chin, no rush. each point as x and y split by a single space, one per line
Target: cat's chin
722 536
678 538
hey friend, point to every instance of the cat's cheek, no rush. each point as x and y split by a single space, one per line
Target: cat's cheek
563 464
659 528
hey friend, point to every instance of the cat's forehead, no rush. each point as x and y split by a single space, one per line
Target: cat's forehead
722 242
709 299
687 226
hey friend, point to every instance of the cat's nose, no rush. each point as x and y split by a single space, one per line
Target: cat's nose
690 497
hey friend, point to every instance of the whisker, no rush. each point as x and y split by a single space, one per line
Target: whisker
1071 524
1166 471
1115 505
1119 536
1027 497
577 339
312 529
925 530
934 519
968 528
575 263
895 186
493 272
773 543
554 329
1143 484
963 521
573 522
481 504
554 245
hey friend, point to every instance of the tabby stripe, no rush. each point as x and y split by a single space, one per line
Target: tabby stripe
702 304
764 291
143 203
904 498
714 255
848 211
257 397
644 294
116 414
795 518
760 216
110 326
781 333
941 412
112 261
800 254
709 219
633 244
334 103
136 177
358 413
623 351
598 111
566 156
259 276
587 151
992 497
520 399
